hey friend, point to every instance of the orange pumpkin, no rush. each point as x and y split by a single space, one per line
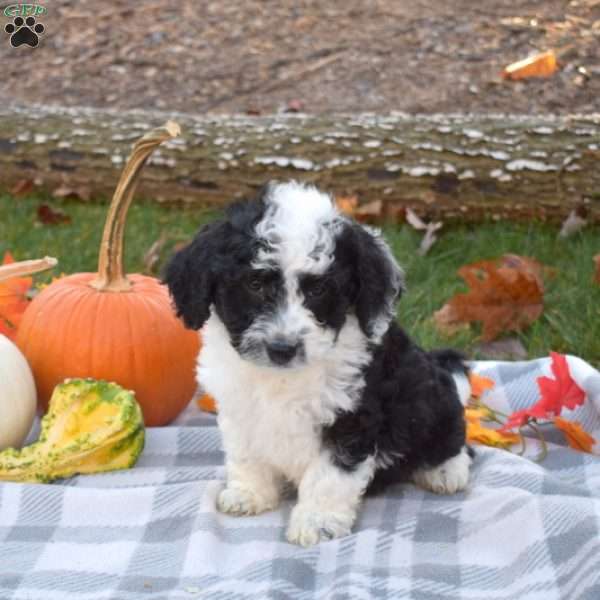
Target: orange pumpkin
107 325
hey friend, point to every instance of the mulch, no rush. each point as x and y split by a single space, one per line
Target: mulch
261 57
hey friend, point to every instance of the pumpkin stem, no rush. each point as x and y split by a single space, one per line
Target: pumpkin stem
111 276
27 267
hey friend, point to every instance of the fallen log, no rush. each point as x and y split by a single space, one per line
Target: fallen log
470 168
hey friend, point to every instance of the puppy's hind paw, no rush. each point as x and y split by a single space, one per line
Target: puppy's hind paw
243 501
308 527
448 478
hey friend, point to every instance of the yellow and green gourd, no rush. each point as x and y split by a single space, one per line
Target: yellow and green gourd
91 426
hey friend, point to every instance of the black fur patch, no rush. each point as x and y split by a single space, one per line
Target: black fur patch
218 260
409 413
373 282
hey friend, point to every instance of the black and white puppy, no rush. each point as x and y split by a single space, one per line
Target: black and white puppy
315 383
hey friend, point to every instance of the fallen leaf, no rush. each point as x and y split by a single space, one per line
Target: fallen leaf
413 219
504 295
294 106
555 394
538 65
474 414
577 437
50 216
527 264
516 420
478 433
510 348
207 402
480 384
13 300
572 224
347 204
79 192
597 261
22 187
370 212
562 391
430 229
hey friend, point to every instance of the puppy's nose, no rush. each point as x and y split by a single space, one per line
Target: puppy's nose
281 352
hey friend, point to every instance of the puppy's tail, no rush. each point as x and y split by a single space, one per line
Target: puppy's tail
456 364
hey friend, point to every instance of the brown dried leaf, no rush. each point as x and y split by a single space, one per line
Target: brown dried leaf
369 213
505 295
50 216
22 187
530 265
80 192
294 106
597 261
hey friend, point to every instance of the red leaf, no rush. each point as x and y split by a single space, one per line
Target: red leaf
516 420
49 216
555 394
563 391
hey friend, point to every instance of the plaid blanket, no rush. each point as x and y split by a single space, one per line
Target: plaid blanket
521 530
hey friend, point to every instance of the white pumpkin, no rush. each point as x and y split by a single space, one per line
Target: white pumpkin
17 396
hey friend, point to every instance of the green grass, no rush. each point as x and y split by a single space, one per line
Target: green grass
570 322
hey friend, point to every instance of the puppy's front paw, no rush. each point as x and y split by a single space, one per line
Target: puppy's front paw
308 526
244 501
448 478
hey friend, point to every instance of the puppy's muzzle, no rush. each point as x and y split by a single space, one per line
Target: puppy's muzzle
281 352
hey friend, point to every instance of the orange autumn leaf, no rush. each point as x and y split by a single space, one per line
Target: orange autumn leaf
477 433
207 402
505 295
347 204
576 436
540 65
13 300
372 212
476 413
480 384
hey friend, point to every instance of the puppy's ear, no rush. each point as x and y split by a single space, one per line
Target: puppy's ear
191 275
380 281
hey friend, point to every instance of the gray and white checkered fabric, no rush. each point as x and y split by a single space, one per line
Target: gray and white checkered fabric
522 530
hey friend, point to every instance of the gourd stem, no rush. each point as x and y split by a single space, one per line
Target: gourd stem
27 267
111 275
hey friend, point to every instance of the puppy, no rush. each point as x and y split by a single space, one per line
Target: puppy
316 384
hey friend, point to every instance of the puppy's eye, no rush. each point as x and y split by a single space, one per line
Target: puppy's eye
255 283
316 289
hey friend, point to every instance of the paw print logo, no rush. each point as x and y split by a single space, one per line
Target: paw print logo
24 31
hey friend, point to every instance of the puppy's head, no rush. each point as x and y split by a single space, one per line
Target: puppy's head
285 273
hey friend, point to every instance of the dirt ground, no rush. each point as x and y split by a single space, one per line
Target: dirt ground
318 56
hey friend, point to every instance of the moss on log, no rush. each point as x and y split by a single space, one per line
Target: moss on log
444 166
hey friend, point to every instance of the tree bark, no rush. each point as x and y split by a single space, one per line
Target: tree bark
468 168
